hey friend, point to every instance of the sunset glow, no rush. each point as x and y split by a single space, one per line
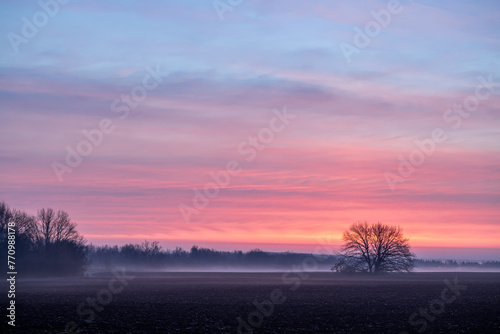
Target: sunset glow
313 142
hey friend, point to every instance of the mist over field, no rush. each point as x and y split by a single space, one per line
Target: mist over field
95 270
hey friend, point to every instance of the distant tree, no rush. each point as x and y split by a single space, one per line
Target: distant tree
374 248
151 248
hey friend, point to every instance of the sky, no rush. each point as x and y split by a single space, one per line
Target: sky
255 124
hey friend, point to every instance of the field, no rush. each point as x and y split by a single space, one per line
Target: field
300 302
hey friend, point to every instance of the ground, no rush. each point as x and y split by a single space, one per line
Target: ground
301 302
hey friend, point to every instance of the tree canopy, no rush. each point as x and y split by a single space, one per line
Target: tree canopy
374 248
46 244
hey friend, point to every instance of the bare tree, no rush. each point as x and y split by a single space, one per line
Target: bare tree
25 227
151 249
45 226
64 228
54 228
375 248
47 244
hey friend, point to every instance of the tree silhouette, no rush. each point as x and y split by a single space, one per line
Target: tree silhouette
374 248
55 228
47 244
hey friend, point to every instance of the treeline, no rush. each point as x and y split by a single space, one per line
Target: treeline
151 255
47 244
457 264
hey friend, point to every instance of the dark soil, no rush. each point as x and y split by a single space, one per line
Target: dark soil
308 303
